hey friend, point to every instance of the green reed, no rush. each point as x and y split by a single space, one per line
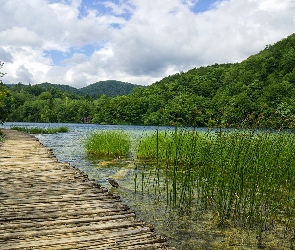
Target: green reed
113 143
37 130
247 178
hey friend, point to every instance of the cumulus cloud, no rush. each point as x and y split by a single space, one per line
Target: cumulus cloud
23 73
20 36
132 40
5 55
77 58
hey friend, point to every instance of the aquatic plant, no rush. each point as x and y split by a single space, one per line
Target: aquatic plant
114 143
167 146
246 178
37 130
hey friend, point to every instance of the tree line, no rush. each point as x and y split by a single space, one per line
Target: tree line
256 93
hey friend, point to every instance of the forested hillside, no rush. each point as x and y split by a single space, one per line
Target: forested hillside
258 92
5 99
110 88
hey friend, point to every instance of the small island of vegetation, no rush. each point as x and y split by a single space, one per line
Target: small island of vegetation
37 130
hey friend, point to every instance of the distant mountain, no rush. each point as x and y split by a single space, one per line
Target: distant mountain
37 89
61 87
110 88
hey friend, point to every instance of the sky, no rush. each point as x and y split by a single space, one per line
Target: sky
79 42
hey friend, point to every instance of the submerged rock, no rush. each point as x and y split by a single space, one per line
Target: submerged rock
113 183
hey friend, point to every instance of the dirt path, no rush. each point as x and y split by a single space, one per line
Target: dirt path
45 204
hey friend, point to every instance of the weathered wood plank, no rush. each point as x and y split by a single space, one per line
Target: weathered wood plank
46 204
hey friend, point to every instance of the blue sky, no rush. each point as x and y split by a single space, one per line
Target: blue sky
79 42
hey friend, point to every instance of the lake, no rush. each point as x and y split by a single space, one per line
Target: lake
142 188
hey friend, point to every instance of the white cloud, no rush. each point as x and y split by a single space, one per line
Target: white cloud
118 9
24 73
135 41
77 58
5 55
20 36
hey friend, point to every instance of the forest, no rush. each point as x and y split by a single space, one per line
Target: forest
255 93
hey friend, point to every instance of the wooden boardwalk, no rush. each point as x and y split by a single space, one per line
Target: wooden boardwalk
46 204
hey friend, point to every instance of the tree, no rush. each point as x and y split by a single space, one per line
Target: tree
1 73
5 99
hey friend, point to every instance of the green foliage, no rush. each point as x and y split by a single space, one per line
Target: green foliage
164 146
52 103
113 143
5 99
110 88
246 94
59 87
245 178
256 93
37 130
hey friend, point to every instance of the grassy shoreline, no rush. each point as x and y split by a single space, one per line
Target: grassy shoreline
37 130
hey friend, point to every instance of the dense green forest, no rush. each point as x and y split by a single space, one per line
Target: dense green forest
5 99
110 88
258 92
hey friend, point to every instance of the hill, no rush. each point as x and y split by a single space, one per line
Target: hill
65 88
110 88
259 92
256 92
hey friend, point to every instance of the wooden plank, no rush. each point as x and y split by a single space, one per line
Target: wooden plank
46 204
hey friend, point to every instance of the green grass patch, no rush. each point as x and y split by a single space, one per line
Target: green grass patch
113 143
37 130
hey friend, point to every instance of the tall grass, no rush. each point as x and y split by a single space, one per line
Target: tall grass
113 143
170 147
244 177
37 130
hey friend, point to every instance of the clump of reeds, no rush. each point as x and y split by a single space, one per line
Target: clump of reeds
171 146
37 130
244 177
113 143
